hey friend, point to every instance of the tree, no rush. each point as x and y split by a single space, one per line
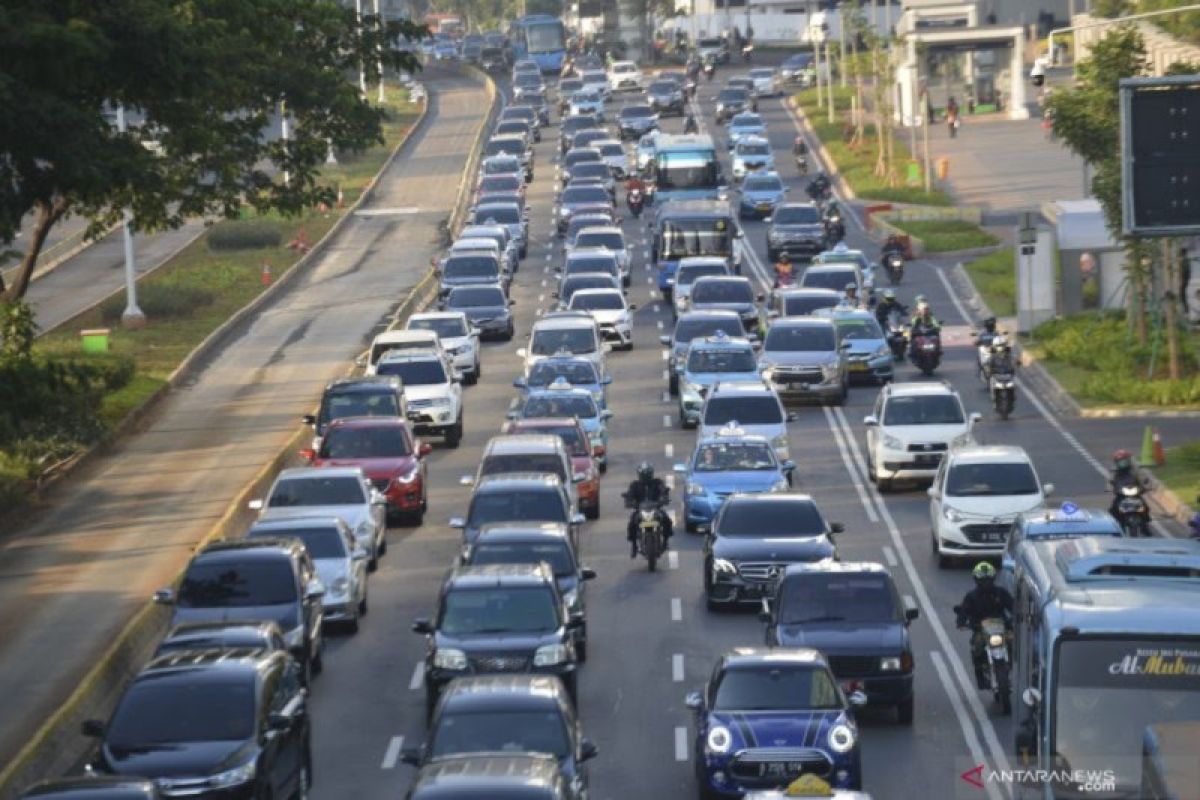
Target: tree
202 78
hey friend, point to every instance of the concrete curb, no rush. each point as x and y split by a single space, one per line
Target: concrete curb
57 747
454 223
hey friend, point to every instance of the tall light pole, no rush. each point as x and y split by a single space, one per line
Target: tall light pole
379 51
829 83
132 318
362 73
283 134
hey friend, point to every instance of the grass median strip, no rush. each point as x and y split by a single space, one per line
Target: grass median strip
995 278
948 235
1181 473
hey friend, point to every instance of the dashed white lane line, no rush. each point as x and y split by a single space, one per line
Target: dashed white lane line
666 376
669 480
649 280
669 450
544 283
659 323
676 610
666 397
392 755
666 420
681 746
672 558
666 354
889 555
541 298
677 668
418 677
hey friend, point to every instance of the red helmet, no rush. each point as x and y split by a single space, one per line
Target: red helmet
1123 460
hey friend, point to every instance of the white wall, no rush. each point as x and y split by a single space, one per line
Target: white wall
770 27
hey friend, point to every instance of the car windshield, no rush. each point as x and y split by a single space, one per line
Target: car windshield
828 279
746 120
502 215
516 505
501 166
507 609
734 457
837 597
444 327
577 405
597 301
586 96
991 480
429 372
688 329
514 146
707 360
636 112
753 149
591 169
762 183
154 712
580 223
575 440
568 86
804 305
545 372
771 518
799 339
582 155
224 584
512 126
579 122
380 442
523 462
731 291
317 490
610 149
582 195
528 80
319 542
686 275
470 268
575 283
475 298
858 329
762 72
507 731
764 410
548 341
934 409
500 183
732 96
797 215
663 87
777 687
611 240
556 554
359 404
598 263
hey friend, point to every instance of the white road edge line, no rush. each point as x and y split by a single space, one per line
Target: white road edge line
964 721
849 462
681 746
677 668
418 677
392 755
666 420
676 609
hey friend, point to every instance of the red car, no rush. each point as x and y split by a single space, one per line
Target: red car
388 453
576 440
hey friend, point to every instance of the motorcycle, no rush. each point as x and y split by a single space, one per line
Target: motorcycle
897 339
710 69
802 164
819 189
927 352
747 52
635 201
651 542
1132 512
996 644
835 229
893 262
983 357
689 88
1002 385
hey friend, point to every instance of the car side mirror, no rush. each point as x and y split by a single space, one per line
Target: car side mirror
845 346
588 750
633 306
607 348
792 416
932 492
165 597
466 480
606 380
857 699
309 419
837 527
680 469
578 519
789 466
587 574
425 449
93 728
411 756
975 417
361 554
520 352
1031 697
458 522
665 340
870 420
694 701
279 722
911 614
1047 489
255 504
606 414
575 621
519 383
422 625
314 590
361 361
767 220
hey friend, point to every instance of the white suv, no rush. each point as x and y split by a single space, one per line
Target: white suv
458 337
912 428
976 495
391 340
434 391
611 312
624 75
566 333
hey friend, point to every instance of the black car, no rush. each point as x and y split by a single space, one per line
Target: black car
363 396
635 121
731 102
500 618
795 229
538 102
729 293
261 579
753 540
95 787
486 306
226 635
508 714
492 59
853 614
469 268
666 97
526 112
217 724
492 777
531 543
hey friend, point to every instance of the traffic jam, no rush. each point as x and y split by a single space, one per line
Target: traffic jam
678 487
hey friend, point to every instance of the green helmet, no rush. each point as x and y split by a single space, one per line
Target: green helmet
984 571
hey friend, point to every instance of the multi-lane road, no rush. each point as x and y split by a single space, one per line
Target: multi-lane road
652 638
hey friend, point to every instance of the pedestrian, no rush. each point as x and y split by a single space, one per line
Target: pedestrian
952 117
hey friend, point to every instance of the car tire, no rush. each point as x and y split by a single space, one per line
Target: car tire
416 518
592 513
943 561
363 606
352 624
478 369
305 782
684 423
508 334
383 544
581 648
603 467
454 434
572 685
673 383
317 664
263 791
904 711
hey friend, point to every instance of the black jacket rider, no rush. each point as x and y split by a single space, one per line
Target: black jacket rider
1118 479
651 491
884 309
982 603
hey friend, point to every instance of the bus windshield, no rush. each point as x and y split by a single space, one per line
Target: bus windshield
698 170
544 38
1108 691
699 237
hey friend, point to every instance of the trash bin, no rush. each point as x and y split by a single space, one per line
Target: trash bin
94 340
943 168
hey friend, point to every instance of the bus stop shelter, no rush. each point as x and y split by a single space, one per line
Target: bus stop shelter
990 50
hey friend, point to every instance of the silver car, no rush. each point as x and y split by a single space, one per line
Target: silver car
342 492
803 360
340 563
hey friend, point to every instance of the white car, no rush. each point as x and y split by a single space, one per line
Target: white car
596 79
623 75
647 147
977 493
613 154
398 340
763 79
433 388
566 333
610 238
912 427
458 337
611 312
752 154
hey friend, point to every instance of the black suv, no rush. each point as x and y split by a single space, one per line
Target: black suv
258 579
666 97
731 102
795 229
95 787
499 618
212 723
523 713
364 396
853 614
635 121
753 540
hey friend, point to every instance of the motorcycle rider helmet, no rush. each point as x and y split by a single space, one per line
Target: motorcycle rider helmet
645 471
888 294
989 324
1122 461
784 258
851 288
984 575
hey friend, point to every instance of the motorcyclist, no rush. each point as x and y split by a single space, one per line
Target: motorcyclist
647 489
1000 356
783 270
988 333
886 307
799 147
985 601
1124 473
924 323
690 125
850 298
634 183
893 244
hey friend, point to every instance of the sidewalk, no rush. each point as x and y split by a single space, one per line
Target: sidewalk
78 571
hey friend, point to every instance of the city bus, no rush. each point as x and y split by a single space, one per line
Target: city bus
1106 651
685 167
540 37
685 228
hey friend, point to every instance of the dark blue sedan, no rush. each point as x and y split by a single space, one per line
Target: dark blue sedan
760 195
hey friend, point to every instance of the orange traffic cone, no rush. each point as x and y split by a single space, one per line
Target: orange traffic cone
266 274
341 201
1160 456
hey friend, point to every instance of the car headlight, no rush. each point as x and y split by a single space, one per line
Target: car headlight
693 388
408 477
718 740
780 485
363 531
550 654
951 514
889 664
724 565
995 640
562 212
695 490
440 401
449 658
340 586
294 637
841 738
881 351
892 443
961 440
233 777
780 442
830 371
571 598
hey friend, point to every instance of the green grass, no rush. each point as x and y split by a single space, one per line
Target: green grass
1181 473
947 235
856 164
995 278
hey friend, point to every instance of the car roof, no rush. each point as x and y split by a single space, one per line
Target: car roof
242 550
297 523
495 575
808 291
307 473
593 292
406 335
94 787
803 322
840 266
421 354
446 776
505 481
844 313
585 321
365 384
841 567
721 342
738 279
770 497
911 388
751 140
990 454
209 662
1067 518
610 229
524 532
741 387
424 315
523 443
591 250
486 691
766 656
710 313
513 427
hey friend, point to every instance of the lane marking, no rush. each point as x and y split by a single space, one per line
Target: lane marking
672 557
418 677
666 397
676 610
849 464
541 298
669 480
666 376
681 746
666 355
397 211
392 754
677 668
964 721
889 555
659 323
669 450
666 420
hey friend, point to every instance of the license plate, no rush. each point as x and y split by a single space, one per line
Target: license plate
934 458
780 769
764 206
858 366
993 537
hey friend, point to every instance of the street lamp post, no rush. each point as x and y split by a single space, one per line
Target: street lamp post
379 51
132 318
283 134
362 73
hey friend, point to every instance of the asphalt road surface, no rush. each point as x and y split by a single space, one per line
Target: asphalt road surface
651 637
75 574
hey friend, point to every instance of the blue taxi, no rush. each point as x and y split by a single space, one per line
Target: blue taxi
581 373
727 462
1068 521
708 360
561 399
